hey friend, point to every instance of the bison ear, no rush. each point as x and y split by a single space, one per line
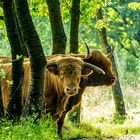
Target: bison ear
52 67
87 72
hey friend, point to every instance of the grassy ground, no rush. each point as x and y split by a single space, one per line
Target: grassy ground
97 117
46 130
27 130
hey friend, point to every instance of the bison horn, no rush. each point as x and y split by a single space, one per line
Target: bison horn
110 53
50 64
88 51
93 67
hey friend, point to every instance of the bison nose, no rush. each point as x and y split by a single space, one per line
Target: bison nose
71 90
113 80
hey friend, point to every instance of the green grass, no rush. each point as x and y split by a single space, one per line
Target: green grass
98 120
28 130
119 130
45 129
84 130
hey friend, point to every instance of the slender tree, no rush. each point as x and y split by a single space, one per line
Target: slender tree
58 33
74 28
74 116
23 45
34 102
117 92
15 104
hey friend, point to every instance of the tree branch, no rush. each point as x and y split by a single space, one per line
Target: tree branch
6 60
131 50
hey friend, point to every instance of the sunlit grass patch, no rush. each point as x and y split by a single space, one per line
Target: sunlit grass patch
119 130
114 130
134 130
83 130
44 129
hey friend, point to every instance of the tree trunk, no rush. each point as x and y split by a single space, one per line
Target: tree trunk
34 102
1 103
117 92
15 104
74 28
23 45
58 33
74 116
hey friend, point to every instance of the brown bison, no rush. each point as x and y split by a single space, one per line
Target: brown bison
63 77
94 79
64 82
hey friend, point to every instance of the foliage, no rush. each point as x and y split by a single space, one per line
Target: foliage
45 129
44 30
134 5
100 24
4 44
118 119
83 130
38 8
123 26
28 130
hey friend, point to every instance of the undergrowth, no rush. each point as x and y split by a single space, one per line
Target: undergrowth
98 120
45 129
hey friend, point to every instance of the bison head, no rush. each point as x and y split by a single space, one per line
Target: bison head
69 71
97 79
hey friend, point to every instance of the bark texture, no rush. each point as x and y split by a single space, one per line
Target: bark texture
74 116
34 102
58 33
74 28
15 104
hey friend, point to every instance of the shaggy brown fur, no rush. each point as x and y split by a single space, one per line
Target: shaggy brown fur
59 86
94 79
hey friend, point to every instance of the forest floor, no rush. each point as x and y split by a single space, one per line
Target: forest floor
125 137
98 107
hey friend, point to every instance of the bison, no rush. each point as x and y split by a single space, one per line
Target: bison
63 76
94 79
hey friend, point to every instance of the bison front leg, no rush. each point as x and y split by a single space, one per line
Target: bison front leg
61 105
73 101
60 123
